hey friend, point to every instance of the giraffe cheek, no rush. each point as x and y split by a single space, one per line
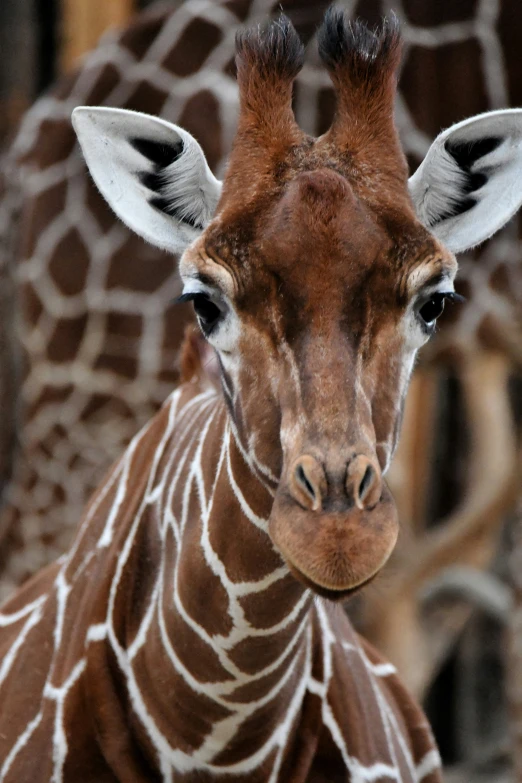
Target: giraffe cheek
334 553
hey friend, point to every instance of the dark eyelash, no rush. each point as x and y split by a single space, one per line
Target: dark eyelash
452 296
188 297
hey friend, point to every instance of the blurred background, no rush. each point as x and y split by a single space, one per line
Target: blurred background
89 338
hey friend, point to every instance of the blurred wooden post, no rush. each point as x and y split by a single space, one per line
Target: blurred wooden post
18 64
84 21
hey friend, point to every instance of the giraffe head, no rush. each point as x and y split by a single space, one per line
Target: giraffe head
315 272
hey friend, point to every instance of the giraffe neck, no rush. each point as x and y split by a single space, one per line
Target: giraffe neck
219 620
173 644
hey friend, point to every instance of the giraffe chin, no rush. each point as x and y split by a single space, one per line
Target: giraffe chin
337 553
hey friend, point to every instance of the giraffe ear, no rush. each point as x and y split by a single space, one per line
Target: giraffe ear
470 182
153 174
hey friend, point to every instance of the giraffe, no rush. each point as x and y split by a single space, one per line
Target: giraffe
122 340
315 281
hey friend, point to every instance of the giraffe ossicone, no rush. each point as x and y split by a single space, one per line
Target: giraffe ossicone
179 637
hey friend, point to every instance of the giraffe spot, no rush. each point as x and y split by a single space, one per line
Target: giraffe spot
257 652
435 98
139 267
69 264
125 366
200 116
146 98
186 58
499 280
241 8
41 210
209 605
65 340
140 34
124 325
432 14
488 334
271 606
106 81
54 143
169 376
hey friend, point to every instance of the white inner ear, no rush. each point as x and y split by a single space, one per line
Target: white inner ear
153 174
470 183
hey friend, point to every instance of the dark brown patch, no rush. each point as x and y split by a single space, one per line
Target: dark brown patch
141 32
432 14
146 98
66 338
125 366
204 104
488 334
124 325
271 606
69 264
209 606
56 141
145 271
240 8
185 58
107 80
41 210
499 280
434 97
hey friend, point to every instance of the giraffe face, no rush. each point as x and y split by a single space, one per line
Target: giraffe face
316 304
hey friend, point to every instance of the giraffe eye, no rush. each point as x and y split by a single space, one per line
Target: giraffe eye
430 310
207 311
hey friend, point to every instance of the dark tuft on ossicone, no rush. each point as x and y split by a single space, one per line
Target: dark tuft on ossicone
352 45
274 48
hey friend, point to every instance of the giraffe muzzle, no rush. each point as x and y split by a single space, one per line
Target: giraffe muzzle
335 530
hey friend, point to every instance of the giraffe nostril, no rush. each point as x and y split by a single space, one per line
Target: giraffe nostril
301 476
366 483
308 483
363 482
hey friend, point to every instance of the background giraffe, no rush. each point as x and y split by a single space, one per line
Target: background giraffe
99 341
